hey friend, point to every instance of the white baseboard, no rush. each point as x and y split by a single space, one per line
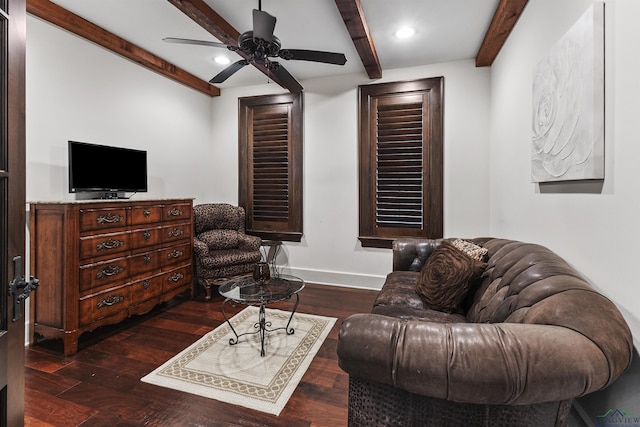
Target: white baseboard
336 278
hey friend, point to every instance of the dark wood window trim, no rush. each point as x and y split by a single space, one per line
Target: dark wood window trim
270 165
401 161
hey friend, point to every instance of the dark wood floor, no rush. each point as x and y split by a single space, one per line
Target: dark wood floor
100 385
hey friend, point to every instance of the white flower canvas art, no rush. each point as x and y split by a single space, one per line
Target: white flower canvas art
568 104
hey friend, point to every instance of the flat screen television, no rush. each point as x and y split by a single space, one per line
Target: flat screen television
106 169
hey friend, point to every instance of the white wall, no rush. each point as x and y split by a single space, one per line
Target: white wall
77 90
596 231
330 251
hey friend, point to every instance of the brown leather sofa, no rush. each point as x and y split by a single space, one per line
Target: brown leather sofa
531 337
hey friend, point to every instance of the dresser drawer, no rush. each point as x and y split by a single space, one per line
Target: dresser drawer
145 214
104 244
103 273
175 232
176 278
176 212
144 262
102 219
146 289
175 254
143 237
104 304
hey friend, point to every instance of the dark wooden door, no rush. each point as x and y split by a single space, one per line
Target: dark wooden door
12 207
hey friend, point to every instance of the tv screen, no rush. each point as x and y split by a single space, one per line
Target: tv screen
94 167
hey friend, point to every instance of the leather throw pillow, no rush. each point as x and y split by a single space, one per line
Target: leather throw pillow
447 277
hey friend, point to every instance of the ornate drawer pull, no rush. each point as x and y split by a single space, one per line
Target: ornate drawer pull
174 254
175 212
147 259
112 300
176 277
176 232
109 219
146 284
111 270
146 212
109 244
147 235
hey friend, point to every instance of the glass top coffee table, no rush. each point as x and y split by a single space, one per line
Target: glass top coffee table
246 290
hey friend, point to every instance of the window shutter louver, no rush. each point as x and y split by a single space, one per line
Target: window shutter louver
270 165
270 178
399 166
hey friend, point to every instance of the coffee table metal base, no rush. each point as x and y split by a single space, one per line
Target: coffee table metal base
262 326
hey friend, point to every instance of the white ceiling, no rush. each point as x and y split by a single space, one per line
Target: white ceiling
446 30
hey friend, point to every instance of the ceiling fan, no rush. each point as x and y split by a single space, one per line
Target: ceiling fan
260 45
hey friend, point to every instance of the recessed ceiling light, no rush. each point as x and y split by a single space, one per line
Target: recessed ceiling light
405 32
222 60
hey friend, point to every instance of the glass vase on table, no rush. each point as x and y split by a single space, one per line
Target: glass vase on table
261 273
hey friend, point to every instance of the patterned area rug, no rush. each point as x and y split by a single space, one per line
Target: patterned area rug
237 374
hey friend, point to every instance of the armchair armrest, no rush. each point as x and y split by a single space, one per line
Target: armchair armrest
249 242
200 248
501 363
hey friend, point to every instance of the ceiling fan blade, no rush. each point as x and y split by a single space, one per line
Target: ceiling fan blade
285 77
313 55
263 25
190 41
229 71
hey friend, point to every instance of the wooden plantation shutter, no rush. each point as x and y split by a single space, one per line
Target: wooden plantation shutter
270 185
400 161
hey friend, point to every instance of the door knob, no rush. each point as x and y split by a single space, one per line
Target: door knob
20 289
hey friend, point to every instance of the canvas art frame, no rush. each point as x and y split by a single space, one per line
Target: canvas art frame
568 104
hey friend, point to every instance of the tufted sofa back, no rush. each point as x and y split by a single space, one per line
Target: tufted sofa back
527 283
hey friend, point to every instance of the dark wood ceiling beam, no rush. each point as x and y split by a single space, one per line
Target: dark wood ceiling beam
51 12
354 19
507 14
210 20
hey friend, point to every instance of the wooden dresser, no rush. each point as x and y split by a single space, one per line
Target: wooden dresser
99 262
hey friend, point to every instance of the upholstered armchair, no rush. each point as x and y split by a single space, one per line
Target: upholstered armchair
220 245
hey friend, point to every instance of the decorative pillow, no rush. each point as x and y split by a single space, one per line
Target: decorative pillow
447 277
474 251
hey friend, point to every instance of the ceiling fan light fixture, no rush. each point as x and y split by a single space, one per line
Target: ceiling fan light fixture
222 60
405 32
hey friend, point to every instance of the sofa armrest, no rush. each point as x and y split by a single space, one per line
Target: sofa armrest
410 254
500 363
200 248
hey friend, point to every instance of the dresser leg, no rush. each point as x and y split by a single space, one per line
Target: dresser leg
70 342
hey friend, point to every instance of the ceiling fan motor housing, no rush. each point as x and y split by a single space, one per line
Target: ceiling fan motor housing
258 48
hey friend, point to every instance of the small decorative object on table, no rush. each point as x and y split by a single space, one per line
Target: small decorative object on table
261 273
271 254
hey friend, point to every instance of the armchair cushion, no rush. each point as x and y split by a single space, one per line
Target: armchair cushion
229 257
220 239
